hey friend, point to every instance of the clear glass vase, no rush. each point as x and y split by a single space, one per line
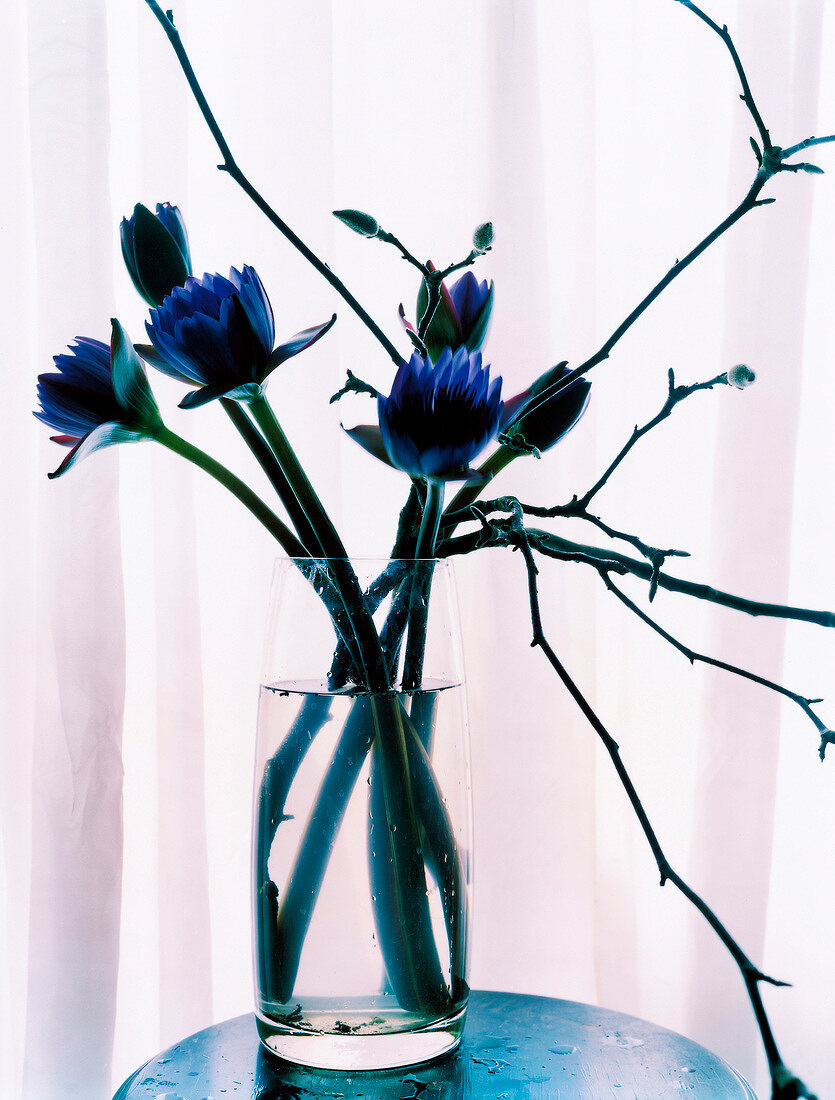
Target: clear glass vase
362 816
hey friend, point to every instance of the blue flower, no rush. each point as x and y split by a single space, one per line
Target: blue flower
99 396
461 317
437 417
218 333
155 250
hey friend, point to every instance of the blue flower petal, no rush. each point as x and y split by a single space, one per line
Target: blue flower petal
130 384
102 436
439 415
297 343
172 219
219 333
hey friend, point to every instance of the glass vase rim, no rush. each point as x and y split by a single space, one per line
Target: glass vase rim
293 559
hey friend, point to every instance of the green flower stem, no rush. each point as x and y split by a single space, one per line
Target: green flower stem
267 460
330 544
305 879
431 520
277 528
438 838
397 865
421 585
389 580
279 773
407 806
422 715
471 491
439 853
371 654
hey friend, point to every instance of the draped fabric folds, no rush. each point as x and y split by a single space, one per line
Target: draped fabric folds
603 138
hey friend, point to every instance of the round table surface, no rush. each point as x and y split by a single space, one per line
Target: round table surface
515 1047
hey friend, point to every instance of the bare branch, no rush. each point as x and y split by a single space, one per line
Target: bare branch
692 656
555 546
675 395
746 96
230 166
751 975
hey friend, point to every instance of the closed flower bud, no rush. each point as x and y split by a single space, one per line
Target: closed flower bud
483 237
740 376
461 317
155 250
540 416
360 222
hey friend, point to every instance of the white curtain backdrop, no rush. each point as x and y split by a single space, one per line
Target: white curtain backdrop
603 138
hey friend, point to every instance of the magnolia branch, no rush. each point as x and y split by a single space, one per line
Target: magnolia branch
654 555
229 165
771 160
578 506
785 1083
675 395
692 656
496 532
507 529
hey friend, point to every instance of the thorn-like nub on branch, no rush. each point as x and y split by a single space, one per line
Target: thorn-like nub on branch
515 441
827 738
353 385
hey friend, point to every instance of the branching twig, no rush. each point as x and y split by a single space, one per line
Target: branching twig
692 656
229 166
770 161
746 97
578 506
654 555
675 395
751 975
551 545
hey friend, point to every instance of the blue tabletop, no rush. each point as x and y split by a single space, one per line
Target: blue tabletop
515 1047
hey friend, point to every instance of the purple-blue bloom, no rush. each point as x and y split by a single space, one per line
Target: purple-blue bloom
439 416
461 317
155 250
99 396
218 333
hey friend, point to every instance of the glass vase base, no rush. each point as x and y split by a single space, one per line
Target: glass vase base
351 1050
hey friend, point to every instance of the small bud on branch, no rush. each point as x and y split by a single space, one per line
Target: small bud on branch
483 237
359 221
741 376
